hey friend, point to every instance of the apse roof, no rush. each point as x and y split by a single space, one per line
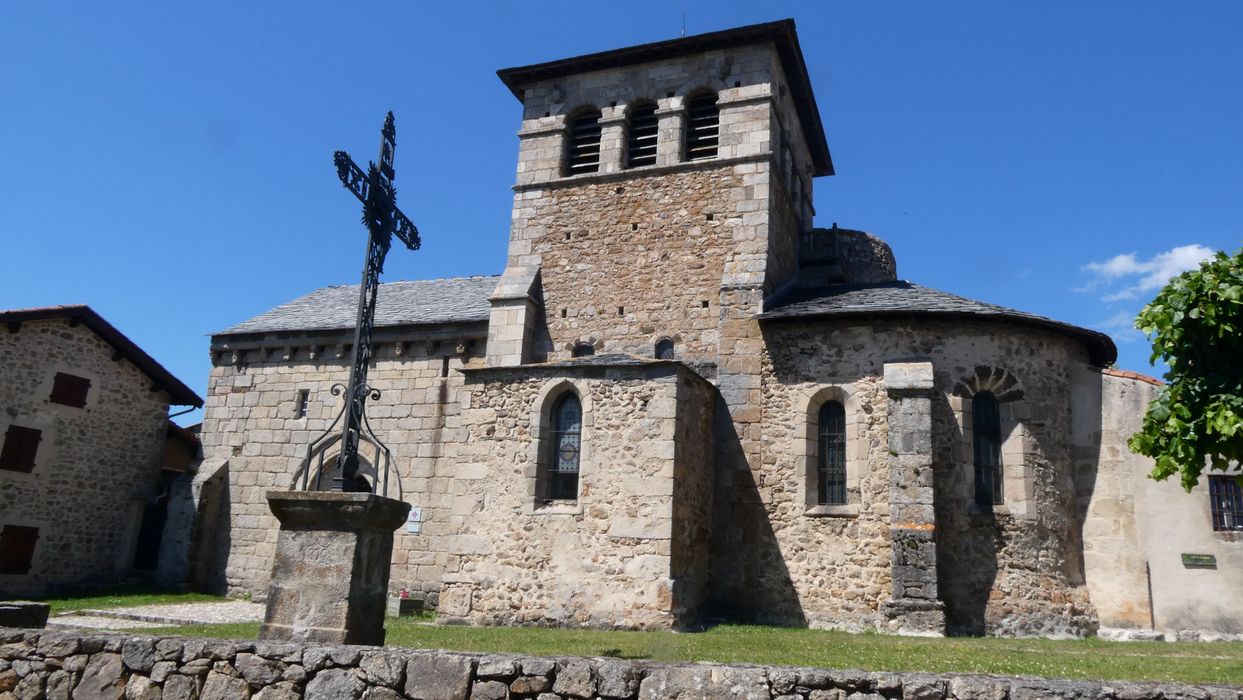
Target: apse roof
904 299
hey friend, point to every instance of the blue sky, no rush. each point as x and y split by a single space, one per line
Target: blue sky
171 164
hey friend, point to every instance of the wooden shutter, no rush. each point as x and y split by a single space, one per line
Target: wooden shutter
21 444
70 390
17 548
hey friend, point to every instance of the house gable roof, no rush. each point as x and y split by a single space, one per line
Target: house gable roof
178 393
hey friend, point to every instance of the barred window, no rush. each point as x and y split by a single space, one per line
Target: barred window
565 445
641 130
831 461
583 142
702 126
986 441
664 349
1226 503
583 350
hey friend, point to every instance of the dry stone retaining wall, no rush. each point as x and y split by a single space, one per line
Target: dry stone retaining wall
38 665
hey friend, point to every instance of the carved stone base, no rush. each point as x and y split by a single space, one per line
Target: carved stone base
330 574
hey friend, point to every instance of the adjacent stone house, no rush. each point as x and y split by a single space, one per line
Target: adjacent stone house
84 423
681 400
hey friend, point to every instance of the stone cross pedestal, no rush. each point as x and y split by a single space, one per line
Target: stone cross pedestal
330 574
914 608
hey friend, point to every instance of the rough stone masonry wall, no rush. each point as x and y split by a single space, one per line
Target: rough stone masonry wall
91 462
626 263
57 666
250 420
601 561
1017 572
690 547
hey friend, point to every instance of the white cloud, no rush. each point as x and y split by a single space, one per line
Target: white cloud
1121 327
1144 275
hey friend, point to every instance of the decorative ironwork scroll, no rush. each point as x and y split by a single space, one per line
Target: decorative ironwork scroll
383 221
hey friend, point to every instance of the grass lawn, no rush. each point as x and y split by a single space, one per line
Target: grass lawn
124 597
1190 662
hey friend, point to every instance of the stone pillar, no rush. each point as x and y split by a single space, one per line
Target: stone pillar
670 124
914 607
612 141
330 574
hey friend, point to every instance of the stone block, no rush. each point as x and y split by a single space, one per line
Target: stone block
908 376
438 676
23 613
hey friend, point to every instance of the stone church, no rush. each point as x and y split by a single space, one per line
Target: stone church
682 402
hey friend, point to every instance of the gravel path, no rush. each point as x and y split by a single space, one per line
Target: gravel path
167 614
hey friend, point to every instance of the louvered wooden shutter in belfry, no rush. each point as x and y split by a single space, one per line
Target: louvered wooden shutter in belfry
17 548
70 390
702 127
20 446
584 143
641 136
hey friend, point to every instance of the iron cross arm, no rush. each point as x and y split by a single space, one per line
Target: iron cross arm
356 181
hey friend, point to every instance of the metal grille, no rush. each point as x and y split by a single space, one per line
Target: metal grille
566 445
1226 502
664 349
702 127
986 440
832 461
584 143
641 141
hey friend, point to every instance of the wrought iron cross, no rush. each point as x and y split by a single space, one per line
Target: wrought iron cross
383 220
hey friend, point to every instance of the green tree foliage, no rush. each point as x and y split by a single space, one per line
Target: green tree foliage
1196 327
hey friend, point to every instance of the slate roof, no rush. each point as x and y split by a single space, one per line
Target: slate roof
904 299
413 303
178 393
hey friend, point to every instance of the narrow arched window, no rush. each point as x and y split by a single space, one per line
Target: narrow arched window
583 142
986 442
583 350
664 349
565 445
641 129
831 464
702 126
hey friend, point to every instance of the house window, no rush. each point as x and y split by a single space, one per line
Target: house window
831 459
664 349
702 126
583 350
986 441
70 390
641 129
565 447
1226 503
583 152
20 446
17 549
